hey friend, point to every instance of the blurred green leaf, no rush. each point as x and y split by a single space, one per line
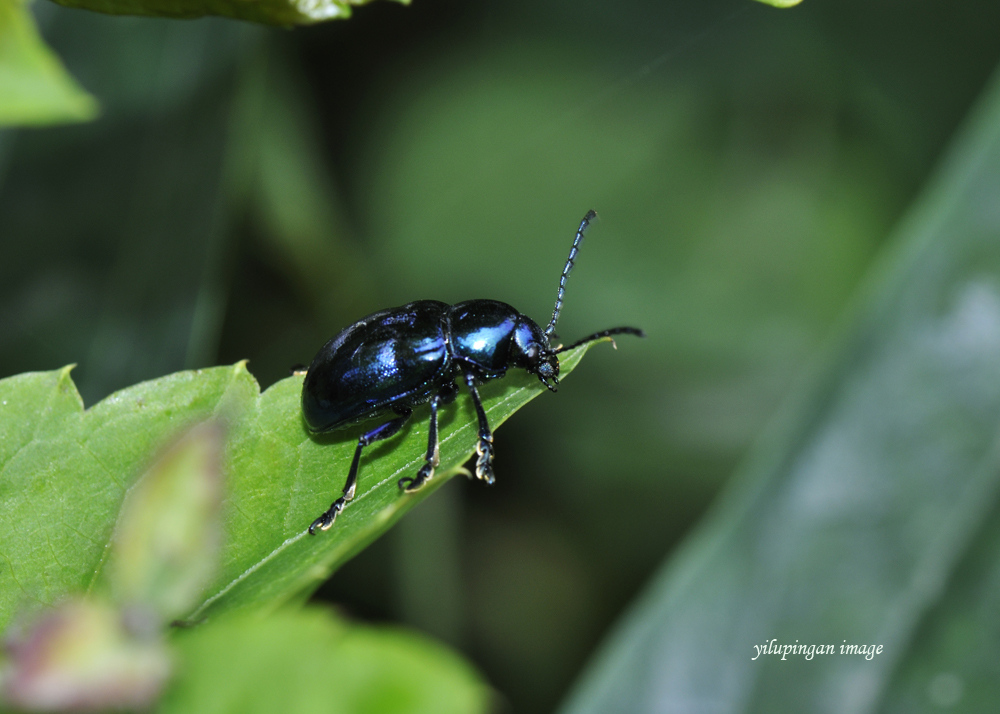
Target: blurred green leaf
81 656
143 192
307 661
869 516
270 12
65 472
290 194
34 86
166 542
781 3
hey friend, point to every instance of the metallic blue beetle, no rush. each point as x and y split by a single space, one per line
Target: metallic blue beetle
395 359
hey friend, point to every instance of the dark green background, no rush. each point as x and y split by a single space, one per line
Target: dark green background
248 192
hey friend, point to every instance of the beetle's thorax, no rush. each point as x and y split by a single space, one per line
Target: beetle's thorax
489 337
480 334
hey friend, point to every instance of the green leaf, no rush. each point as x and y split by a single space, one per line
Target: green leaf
307 661
64 473
271 12
34 86
870 515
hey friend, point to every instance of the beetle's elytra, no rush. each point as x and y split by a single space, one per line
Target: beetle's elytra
393 360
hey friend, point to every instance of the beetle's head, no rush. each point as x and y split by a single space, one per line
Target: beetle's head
531 352
548 369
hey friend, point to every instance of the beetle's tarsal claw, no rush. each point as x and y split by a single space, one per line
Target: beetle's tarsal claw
410 485
326 520
484 464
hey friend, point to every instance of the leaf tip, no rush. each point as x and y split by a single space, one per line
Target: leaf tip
65 383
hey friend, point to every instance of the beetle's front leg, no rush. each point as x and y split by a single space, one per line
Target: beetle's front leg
484 447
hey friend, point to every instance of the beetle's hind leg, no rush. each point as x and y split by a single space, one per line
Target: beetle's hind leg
484 447
445 396
383 431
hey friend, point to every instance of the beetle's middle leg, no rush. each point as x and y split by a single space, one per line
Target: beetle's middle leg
446 395
484 447
384 431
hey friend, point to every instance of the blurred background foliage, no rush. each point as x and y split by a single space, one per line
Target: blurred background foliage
248 192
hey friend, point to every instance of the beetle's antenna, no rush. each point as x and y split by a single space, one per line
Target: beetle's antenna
603 333
550 331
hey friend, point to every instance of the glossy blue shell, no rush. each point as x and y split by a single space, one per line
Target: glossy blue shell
395 355
397 358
